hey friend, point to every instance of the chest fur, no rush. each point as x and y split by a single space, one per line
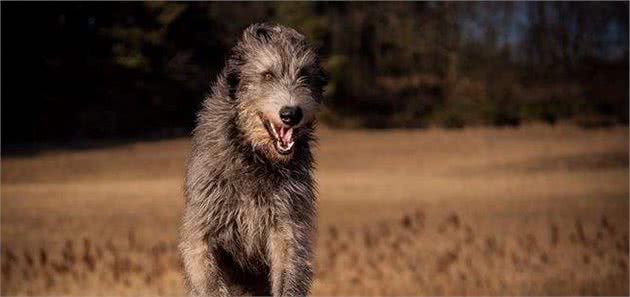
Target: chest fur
246 225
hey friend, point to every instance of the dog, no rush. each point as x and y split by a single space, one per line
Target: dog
249 214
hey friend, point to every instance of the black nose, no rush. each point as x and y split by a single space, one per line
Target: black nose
290 115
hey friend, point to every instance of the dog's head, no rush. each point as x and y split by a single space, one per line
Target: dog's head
276 80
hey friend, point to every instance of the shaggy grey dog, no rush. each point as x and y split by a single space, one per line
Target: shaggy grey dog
250 201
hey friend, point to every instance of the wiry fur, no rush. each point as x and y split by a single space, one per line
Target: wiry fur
249 212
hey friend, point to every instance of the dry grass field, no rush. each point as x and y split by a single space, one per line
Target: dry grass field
531 211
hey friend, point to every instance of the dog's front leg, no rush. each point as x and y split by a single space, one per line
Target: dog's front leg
291 272
203 275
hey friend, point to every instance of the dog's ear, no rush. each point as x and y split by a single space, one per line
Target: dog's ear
319 78
320 81
232 72
232 78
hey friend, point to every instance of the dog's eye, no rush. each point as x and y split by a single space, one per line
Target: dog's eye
267 75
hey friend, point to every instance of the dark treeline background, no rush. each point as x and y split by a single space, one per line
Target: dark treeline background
79 72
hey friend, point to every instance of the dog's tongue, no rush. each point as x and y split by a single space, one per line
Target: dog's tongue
286 135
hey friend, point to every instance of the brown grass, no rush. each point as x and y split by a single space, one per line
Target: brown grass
531 211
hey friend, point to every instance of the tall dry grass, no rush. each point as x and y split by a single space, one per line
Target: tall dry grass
529 211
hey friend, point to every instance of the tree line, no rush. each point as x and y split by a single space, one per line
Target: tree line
73 72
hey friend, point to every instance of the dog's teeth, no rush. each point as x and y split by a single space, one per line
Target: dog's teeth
275 132
283 137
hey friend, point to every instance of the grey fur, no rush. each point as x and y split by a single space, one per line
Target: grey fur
249 214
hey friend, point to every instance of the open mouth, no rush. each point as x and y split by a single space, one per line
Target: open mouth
282 136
